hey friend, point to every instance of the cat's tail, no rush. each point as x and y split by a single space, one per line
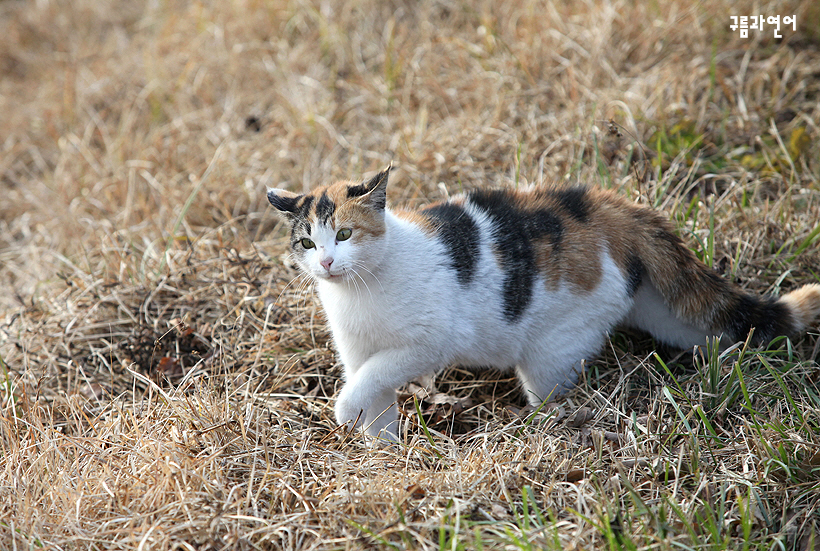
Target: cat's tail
701 302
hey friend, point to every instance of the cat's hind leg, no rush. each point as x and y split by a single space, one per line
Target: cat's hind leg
651 313
552 368
539 384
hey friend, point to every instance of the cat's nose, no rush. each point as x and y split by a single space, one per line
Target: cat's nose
326 262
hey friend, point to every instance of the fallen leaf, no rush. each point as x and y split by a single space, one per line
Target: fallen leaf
799 142
575 475
497 510
580 417
415 491
93 391
169 367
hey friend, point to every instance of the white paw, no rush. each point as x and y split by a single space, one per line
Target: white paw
384 424
349 411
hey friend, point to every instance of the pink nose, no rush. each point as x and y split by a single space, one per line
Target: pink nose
326 262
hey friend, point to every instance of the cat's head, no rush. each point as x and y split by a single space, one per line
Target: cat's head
337 231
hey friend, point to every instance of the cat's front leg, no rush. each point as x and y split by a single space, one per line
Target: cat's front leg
368 398
357 406
382 417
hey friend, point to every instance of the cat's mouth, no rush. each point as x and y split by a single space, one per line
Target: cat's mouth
327 276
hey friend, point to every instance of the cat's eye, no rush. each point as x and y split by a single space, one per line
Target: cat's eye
307 243
343 234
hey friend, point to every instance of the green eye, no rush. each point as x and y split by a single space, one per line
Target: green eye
307 243
344 234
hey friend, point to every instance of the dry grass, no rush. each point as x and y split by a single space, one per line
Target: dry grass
168 384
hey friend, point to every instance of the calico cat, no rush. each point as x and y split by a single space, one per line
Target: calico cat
532 280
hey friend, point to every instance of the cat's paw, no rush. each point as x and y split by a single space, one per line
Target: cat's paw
349 411
385 426
377 413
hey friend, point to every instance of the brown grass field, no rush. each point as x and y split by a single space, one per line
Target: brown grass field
167 380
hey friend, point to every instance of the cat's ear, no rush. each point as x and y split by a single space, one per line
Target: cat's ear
283 200
376 193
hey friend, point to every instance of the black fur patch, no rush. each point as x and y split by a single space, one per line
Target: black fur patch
514 232
300 229
304 208
356 191
324 208
767 315
301 226
283 204
573 200
460 235
379 197
634 275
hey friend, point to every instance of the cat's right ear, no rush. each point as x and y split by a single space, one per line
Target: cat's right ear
377 188
284 201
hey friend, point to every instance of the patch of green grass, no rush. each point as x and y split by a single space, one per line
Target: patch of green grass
717 151
530 528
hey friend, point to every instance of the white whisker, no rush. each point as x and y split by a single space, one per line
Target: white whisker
357 275
355 283
363 267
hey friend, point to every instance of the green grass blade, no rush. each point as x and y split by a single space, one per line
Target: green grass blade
806 243
425 429
795 410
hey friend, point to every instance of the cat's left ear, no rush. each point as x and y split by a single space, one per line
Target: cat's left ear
283 200
376 188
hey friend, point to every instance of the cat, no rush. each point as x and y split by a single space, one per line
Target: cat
531 280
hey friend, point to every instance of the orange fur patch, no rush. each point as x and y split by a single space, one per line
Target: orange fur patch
349 212
415 217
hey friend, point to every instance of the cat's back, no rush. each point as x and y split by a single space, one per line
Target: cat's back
528 239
